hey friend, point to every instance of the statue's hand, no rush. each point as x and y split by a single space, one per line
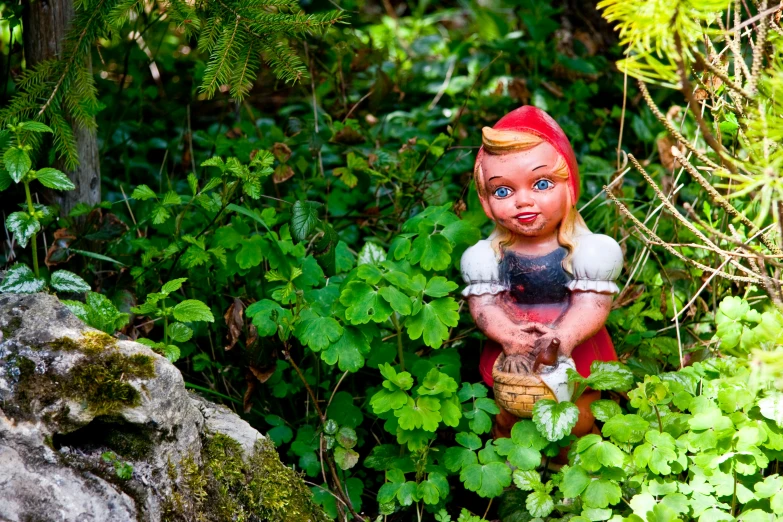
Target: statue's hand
523 341
517 363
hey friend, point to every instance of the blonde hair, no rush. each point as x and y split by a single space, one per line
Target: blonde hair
498 142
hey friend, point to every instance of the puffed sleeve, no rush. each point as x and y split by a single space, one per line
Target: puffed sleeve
479 267
596 263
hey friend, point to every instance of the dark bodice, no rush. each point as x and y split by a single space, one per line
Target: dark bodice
535 280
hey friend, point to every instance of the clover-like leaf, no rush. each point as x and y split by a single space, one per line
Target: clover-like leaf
597 453
601 493
364 303
539 503
317 332
488 480
432 252
433 321
348 351
345 458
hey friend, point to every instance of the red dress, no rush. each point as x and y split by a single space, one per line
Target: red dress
537 292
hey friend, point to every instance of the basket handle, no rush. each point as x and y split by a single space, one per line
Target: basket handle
548 355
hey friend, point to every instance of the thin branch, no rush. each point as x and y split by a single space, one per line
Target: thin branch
673 210
728 82
718 198
758 49
670 128
650 234
693 105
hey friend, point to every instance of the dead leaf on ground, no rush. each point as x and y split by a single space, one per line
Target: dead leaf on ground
247 400
281 151
235 321
262 374
59 252
282 174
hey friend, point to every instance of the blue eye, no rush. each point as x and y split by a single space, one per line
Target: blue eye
502 192
543 184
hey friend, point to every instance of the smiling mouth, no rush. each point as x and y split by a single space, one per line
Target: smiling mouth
527 217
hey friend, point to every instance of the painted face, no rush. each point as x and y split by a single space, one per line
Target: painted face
522 195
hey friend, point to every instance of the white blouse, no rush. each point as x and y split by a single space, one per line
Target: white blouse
595 265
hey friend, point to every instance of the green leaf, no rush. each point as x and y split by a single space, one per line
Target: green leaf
34 126
539 503
656 453
771 407
19 279
54 179
554 420
437 383
625 428
317 332
364 303
433 321
597 453
304 219
422 413
604 409
346 437
5 179
468 440
348 352
171 352
439 286
601 493
23 226
173 285
251 253
345 458
99 312
431 252
143 193
407 494
399 302
575 480
65 281
17 163
527 480
179 333
401 380
525 434
488 480
457 458
610 375
192 310
266 315
428 492
523 458
370 254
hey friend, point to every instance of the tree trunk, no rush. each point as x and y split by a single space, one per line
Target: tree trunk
46 22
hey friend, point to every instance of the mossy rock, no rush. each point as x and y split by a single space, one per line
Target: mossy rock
228 486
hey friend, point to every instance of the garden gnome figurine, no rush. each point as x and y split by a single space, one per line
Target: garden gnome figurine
540 286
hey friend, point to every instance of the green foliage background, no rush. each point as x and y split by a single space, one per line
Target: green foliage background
294 247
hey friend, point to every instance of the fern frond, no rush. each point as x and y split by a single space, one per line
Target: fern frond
64 142
244 76
293 24
285 63
224 56
121 12
185 15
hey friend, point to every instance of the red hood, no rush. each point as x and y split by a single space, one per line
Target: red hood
535 121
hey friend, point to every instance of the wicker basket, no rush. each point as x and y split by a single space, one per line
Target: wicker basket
517 393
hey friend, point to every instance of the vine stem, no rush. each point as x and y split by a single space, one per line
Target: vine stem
322 417
400 355
658 414
33 244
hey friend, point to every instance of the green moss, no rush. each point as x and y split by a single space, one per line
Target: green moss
101 380
90 343
261 488
13 325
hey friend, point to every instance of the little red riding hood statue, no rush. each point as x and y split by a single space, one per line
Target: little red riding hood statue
541 286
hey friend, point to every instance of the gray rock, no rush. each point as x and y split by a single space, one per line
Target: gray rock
73 400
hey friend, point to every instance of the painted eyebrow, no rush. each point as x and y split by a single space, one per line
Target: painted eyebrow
540 166
494 177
